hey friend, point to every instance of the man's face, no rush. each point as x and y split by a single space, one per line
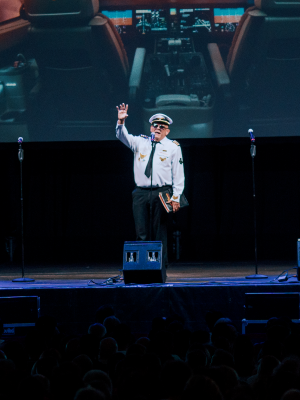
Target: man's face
161 130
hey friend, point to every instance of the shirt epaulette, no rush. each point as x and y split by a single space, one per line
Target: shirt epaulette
175 141
144 136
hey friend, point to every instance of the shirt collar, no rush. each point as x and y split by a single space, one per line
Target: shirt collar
164 140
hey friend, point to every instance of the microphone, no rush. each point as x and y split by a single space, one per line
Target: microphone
252 137
152 136
21 151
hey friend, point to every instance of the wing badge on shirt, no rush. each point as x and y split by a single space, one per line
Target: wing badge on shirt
162 159
142 156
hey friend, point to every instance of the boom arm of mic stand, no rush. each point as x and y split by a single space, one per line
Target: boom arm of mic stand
151 214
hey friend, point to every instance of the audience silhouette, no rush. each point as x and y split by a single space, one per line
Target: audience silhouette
170 362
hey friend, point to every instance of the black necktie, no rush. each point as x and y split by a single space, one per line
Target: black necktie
149 165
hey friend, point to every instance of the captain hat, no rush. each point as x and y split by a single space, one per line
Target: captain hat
161 118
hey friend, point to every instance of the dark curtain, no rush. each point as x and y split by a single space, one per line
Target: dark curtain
77 201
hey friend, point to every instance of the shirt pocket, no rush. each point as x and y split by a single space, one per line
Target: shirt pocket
142 156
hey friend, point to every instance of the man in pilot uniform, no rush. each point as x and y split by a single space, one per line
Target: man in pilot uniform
165 157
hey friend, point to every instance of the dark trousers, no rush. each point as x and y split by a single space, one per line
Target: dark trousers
141 212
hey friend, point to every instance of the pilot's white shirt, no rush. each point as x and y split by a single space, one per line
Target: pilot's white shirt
167 161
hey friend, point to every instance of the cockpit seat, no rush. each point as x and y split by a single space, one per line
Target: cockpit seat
260 83
83 65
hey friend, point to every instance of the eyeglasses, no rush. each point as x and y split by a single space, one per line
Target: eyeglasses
159 126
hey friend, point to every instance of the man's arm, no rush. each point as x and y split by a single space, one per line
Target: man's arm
121 131
177 179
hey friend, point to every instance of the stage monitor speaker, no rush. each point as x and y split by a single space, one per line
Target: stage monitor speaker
19 313
143 262
263 306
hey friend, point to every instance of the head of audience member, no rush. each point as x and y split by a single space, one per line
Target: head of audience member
65 381
44 366
225 377
272 348
97 330
286 376
103 312
84 363
111 324
89 393
200 336
72 348
108 346
122 334
173 378
266 366
243 352
292 394
144 341
35 387
112 365
161 344
222 357
242 391
98 379
201 387
181 343
224 334
89 345
136 348
52 352
174 322
8 376
278 329
211 317
17 352
158 324
197 360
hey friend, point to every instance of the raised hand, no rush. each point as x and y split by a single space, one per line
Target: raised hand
122 113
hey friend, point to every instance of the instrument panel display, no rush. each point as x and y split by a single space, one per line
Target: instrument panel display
151 21
227 19
194 20
176 20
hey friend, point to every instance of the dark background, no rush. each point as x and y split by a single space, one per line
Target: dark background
77 201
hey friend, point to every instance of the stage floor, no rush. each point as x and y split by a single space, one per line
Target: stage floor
179 273
72 293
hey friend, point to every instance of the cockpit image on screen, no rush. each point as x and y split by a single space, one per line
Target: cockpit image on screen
194 20
151 20
227 19
121 19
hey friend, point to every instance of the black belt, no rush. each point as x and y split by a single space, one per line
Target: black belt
155 187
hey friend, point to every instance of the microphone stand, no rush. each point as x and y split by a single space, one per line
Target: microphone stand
253 154
21 157
151 186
